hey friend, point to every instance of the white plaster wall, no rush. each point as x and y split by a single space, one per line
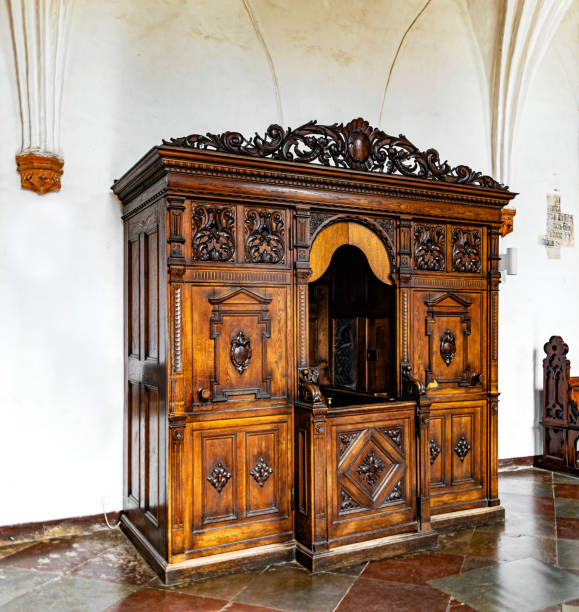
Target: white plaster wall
143 70
543 299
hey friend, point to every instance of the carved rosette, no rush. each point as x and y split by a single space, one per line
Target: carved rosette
447 347
370 468
39 173
434 451
240 352
261 471
429 247
462 448
264 241
355 145
219 477
466 250
213 233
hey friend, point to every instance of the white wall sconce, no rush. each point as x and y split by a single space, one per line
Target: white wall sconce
509 261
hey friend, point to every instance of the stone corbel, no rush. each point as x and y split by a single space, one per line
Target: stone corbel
39 31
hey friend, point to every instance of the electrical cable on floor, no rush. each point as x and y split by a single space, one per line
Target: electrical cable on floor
107 519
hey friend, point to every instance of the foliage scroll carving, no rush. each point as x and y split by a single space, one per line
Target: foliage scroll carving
356 145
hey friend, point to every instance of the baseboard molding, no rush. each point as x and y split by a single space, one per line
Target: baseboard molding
513 462
57 528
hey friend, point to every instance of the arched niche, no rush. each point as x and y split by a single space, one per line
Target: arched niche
355 234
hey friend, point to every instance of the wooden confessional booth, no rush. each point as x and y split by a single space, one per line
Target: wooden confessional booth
311 348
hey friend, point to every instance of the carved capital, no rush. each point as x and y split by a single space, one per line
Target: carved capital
39 173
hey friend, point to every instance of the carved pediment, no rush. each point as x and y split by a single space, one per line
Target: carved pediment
240 296
448 300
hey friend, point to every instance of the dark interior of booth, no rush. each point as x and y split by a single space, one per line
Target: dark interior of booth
352 331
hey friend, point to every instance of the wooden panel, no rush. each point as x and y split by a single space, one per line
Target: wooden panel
458 472
372 481
133 292
462 438
133 441
262 487
219 477
240 344
241 481
153 444
449 346
152 296
437 441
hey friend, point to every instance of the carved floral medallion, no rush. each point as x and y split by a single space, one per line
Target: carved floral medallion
240 352
466 250
264 242
219 477
429 247
261 471
447 347
213 233
462 448
370 468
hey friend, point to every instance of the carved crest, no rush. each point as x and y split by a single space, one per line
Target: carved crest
466 250
429 247
213 237
356 145
219 477
447 347
264 241
240 353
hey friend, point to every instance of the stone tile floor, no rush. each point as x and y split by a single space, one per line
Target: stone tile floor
529 563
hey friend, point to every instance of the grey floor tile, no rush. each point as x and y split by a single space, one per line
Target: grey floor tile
568 554
525 486
522 586
292 588
14 582
567 508
68 594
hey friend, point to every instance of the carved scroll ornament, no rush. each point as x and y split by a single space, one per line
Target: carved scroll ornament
466 250
213 238
355 145
429 247
264 242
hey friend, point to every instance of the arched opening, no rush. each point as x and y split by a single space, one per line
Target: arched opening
352 329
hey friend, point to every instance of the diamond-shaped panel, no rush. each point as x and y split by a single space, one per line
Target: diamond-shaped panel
371 469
